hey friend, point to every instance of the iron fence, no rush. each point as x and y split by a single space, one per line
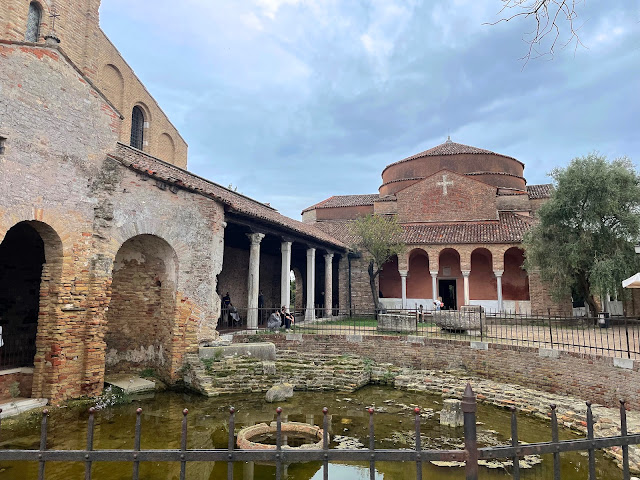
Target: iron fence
280 456
18 348
613 337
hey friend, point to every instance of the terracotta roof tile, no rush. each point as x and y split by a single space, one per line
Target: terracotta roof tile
510 228
156 168
539 191
450 148
345 201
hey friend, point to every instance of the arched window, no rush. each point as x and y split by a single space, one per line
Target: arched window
137 128
33 23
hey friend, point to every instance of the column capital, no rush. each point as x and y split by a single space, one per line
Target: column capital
285 246
466 273
223 224
433 273
328 256
403 273
311 252
255 238
498 273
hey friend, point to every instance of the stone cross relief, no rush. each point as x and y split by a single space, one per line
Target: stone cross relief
444 184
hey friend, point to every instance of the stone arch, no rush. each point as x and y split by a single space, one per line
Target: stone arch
31 260
419 279
389 281
166 148
515 280
143 316
113 84
482 281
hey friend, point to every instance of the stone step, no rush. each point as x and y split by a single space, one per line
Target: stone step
130 383
15 407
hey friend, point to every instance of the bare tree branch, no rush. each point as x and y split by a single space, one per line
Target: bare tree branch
550 18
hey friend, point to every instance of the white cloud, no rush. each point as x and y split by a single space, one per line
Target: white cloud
270 7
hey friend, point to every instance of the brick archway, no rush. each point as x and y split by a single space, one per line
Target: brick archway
143 315
31 260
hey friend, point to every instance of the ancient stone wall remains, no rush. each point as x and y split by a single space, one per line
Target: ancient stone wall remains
583 376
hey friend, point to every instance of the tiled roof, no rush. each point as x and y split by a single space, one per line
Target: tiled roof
510 228
345 201
539 191
156 168
450 148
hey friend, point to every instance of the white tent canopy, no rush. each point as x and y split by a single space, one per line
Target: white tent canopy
632 282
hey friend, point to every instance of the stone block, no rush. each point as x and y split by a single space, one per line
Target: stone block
470 319
130 383
415 339
262 351
279 393
480 345
451 414
397 323
354 338
294 337
549 353
625 363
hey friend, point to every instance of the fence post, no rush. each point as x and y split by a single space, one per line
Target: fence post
626 329
470 441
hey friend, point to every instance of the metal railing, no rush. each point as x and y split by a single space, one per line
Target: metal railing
18 348
613 337
280 456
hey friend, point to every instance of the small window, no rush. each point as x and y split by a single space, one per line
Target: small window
33 23
137 128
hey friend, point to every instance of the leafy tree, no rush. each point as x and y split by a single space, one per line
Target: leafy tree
380 238
586 234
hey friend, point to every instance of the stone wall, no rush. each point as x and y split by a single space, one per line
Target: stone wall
61 174
583 376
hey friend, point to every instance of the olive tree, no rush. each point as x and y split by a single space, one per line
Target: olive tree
585 235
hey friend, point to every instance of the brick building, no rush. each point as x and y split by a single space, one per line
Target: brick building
113 256
464 211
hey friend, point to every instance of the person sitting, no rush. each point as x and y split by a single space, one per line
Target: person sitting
233 313
274 322
289 319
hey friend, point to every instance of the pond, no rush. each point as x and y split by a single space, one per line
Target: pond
208 428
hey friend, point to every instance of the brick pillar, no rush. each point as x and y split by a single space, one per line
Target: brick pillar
253 285
311 284
328 284
285 286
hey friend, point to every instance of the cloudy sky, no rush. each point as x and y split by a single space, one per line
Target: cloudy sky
293 101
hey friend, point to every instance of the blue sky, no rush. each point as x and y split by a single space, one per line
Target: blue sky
293 101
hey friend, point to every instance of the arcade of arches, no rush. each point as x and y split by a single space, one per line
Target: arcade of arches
490 276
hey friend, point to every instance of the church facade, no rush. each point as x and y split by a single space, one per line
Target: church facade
464 211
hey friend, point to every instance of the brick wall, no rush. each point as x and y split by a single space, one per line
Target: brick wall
56 175
584 376
541 301
22 376
90 49
466 200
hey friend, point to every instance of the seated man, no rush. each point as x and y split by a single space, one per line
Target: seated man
233 313
289 319
274 321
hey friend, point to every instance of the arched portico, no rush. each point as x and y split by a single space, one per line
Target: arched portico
450 284
515 282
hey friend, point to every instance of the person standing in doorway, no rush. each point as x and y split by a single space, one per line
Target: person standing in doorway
226 303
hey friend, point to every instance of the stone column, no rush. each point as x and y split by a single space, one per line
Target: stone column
285 272
310 313
434 286
403 279
465 275
328 284
498 274
253 283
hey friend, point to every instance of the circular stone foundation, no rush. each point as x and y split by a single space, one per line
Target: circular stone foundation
289 429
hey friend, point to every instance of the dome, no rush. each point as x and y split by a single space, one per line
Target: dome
483 165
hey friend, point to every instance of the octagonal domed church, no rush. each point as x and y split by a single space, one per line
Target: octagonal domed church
464 211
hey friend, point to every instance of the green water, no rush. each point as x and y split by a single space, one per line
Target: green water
208 428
